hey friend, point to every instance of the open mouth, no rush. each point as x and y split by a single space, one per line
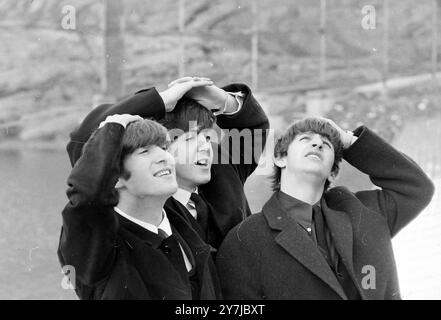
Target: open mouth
314 155
202 162
163 172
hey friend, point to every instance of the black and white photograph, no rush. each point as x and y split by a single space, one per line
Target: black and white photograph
222 150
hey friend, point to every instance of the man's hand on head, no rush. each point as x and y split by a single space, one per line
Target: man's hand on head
122 119
346 137
212 97
178 88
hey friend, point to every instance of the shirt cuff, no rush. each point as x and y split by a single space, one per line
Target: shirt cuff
103 123
239 98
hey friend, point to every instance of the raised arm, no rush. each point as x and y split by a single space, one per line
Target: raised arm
244 125
88 235
147 103
246 132
405 189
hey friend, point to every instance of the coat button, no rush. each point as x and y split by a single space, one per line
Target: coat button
166 249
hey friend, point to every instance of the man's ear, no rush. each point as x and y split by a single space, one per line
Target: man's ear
279 161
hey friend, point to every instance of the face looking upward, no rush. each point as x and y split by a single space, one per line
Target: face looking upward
309 153
151 172
193 154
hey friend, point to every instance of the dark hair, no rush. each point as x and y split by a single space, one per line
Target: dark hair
186 111
315 125
138 134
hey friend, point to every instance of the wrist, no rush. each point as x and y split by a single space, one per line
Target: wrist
221 106
166 99
349 139
231 104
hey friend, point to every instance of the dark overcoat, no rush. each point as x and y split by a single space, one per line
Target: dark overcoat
268 256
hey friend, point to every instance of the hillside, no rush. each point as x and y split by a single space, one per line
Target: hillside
50 77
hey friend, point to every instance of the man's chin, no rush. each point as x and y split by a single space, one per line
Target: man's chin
201 180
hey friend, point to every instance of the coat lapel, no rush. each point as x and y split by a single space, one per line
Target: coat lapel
293 239
341 231
155 269
210 288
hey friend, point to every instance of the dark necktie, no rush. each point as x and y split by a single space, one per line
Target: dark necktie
330 253
323 241
162 234
171 247
202 211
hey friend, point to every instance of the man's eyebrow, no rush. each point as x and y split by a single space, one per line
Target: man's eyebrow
143 149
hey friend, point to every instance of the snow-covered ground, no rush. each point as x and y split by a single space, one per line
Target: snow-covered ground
418 253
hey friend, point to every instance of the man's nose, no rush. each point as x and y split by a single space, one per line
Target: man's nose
317 142
166 157
203 143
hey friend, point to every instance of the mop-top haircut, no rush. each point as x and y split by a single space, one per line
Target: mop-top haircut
141 134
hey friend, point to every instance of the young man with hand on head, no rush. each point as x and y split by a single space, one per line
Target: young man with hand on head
311 242
210 191
116 235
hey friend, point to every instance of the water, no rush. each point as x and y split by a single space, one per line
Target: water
32 195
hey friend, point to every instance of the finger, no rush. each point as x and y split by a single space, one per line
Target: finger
175 82
204 78
201 79
132 118
136 118
180 80
201 83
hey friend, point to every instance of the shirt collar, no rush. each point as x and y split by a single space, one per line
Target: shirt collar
296 209
183 196
164 225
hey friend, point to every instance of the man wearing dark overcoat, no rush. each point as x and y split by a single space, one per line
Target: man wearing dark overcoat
315 242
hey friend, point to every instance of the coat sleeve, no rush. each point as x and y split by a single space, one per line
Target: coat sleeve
235 159
245 134
146 103
405 189
88 236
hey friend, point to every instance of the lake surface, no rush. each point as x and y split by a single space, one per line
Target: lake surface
32 195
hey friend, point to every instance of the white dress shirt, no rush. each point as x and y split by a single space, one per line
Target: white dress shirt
164 225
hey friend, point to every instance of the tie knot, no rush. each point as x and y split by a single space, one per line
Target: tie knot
201 210
196 198
162 234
